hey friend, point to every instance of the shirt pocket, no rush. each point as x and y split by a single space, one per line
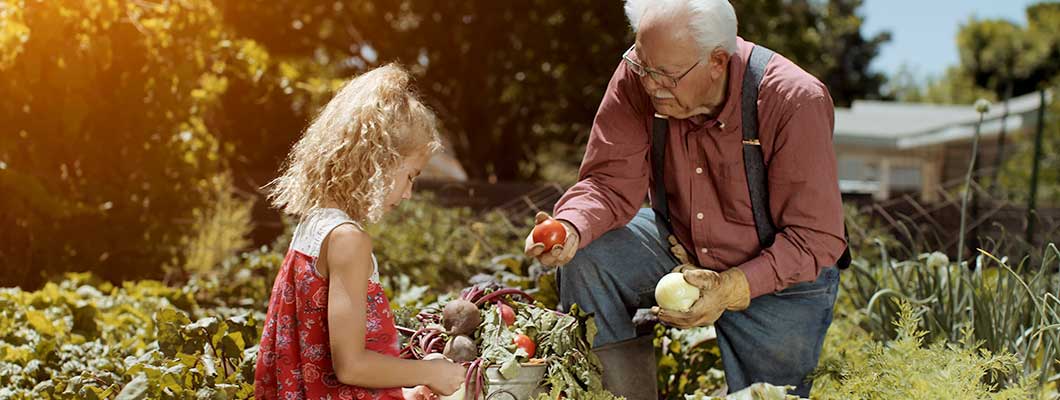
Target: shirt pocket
733 195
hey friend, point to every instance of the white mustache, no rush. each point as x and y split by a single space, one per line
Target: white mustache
663 94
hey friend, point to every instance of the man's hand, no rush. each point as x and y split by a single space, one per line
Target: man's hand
679 253
717 292
560 253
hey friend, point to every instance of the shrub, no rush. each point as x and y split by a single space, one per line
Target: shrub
83 338
441 247
908 367
1006 309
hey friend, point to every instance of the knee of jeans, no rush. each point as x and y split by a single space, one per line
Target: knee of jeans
797 357
576 276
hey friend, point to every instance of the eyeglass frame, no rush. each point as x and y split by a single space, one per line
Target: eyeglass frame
655 75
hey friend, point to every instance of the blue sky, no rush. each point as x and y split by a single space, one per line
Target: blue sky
924 32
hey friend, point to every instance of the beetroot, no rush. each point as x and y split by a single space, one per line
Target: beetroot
461 349
461 317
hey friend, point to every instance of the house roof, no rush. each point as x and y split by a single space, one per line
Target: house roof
899 125
444 165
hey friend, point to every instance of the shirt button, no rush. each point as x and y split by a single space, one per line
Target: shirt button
721 125
699 170
704 250
699 216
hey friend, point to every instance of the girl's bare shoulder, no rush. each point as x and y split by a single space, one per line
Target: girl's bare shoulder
347 246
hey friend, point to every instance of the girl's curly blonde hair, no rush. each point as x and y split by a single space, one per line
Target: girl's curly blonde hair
348 153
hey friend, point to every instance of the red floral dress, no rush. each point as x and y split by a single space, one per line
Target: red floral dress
294 357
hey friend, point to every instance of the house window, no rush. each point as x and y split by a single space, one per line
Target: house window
858 169
905 178
858 175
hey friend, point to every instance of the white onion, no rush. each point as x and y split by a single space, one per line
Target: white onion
674 293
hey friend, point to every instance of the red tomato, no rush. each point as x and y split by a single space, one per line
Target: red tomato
507 314
524 342
550 233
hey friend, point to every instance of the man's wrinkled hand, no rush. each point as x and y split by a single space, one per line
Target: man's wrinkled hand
560 253
718 292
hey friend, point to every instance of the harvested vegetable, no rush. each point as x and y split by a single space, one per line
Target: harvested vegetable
461 317
550 233
507 314
526 344
461 349
505 343
674 293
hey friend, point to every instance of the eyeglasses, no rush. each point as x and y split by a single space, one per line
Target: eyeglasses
662 78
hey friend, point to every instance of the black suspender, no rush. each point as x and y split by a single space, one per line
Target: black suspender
754 163
660 129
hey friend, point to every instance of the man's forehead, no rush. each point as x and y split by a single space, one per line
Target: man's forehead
674 52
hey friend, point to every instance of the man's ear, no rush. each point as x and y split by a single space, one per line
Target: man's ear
718 62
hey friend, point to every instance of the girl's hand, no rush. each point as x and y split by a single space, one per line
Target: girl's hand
419 393
446 377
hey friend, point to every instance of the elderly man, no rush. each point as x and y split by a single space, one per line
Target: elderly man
735 145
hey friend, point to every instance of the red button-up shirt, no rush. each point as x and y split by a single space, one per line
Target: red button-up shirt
706 186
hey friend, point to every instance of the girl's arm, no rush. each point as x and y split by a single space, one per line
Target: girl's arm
349 267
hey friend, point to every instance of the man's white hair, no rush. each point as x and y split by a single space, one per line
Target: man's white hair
712 22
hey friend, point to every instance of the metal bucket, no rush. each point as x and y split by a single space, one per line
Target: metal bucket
525 385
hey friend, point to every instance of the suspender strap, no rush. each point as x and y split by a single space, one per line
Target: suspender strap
753 164
660 127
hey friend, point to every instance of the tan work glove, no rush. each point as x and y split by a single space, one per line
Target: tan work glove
679 253
718 292
561 253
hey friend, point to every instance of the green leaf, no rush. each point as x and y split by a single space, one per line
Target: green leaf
168 325
135 390
40 322
232 345
510 367
85 320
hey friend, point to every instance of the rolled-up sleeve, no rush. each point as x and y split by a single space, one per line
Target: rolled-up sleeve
804 199
613 178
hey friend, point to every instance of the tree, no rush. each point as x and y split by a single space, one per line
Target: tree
1010 60
107 140
507 78
955 86
515 80
822 37
119 116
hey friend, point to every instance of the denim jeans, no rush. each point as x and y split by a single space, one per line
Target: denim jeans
777 339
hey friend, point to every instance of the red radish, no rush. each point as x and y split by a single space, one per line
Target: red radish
550 233
507 314
524 342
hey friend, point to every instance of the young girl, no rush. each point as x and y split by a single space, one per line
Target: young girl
329 332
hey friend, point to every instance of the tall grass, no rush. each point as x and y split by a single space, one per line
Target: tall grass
1006 308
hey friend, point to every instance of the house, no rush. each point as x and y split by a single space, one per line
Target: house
886 148
444 165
